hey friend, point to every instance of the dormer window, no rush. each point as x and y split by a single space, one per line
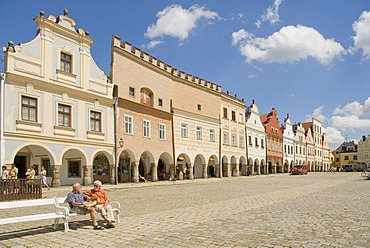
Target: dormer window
66 62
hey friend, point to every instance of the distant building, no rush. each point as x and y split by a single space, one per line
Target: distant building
288 144
345 156
274 137
300 146
256 141
310 146
363 152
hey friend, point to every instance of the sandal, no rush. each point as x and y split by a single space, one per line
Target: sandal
97 227
110 225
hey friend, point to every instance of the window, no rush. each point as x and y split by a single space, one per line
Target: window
240 118
146 128
199 107
256 142
250 140
162 131
225 113
233 140
184 130
95 121
64 115
128 124
304 151
74 169
212 135
233 118
296 149
285 149
29 108
300 150
160 102
262 145
241 141
66 62
199 133
131 91
226 139
336 159
346 158
354 157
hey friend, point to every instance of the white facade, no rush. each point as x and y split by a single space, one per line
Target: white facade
58 105
300 147
288 145
310 157
256 141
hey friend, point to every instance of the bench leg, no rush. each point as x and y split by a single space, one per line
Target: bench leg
56 223
66 226
118 219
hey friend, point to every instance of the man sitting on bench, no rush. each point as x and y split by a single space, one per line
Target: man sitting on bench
77 202
103 207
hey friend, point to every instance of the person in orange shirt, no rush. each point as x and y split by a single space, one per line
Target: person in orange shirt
103 207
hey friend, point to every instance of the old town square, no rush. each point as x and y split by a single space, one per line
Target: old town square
281 210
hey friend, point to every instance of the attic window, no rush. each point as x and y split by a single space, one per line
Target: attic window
66 62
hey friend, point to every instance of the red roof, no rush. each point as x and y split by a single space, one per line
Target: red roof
307 125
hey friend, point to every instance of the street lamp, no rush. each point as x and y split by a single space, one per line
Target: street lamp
121 142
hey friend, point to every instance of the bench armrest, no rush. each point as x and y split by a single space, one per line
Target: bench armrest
115 204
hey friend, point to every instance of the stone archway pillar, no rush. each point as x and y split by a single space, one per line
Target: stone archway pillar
172 171
87 175
154 172
135 171
228 170
112 174
191 173
55 181
205 171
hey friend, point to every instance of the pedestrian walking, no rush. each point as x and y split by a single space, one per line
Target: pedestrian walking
43 174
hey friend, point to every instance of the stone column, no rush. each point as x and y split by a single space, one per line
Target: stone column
218 172
191 174
87 180
205 171
55 181
112 174
172 172
259 169
228 170
135 172
154 172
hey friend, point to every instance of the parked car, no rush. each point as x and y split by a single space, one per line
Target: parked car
300 169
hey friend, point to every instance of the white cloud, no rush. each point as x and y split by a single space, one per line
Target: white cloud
289 44
349 122
178 22
362 34
354 108
154 43
317 114
251 76
334 135
271 14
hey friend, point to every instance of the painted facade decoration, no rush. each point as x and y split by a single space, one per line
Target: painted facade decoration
233 151
310 144
288 145
274 137
59 105
256 141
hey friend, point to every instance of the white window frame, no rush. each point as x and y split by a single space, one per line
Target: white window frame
226 138
241 141
184 130
212 136
234 141
146 128
130 124
199 133
162 131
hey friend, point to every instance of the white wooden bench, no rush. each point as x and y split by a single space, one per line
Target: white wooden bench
60 212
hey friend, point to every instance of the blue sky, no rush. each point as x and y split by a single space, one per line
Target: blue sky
304 58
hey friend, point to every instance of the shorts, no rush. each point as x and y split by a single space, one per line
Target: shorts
79 210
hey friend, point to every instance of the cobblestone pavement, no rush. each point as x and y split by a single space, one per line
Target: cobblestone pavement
317 210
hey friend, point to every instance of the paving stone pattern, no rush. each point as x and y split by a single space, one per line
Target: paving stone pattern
317 210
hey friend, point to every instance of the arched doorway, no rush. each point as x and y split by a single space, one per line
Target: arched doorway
125 168
286 166
74 168
256 167
183 164
164 166
212 170
146 167
263 167
243 170
234 167
199 163
101 168
270 167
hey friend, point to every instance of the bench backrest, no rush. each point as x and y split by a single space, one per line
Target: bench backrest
27 203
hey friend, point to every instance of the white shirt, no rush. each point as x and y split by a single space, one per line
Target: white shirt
4 175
